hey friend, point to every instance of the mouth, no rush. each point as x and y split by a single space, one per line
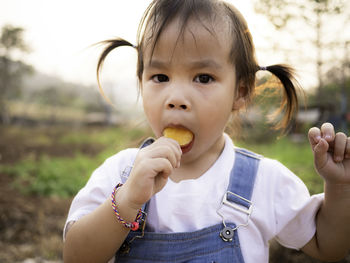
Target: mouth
186 148
182 135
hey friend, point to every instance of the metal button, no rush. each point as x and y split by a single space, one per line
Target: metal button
125 248
227 234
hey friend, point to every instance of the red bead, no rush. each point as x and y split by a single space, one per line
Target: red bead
135 226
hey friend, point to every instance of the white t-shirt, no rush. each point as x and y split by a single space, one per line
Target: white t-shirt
282 206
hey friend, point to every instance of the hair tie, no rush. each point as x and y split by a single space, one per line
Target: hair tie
262 68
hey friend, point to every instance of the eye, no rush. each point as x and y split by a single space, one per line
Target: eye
204 78
160 78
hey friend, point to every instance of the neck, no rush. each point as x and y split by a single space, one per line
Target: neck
197 167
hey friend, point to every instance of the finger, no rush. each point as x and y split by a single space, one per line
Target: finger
165 151
327 132
339 147
162 167
164 147
162 170
173 143
347 148
176 149
314 136
320 154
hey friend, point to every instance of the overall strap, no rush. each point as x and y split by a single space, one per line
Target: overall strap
147 142
242 179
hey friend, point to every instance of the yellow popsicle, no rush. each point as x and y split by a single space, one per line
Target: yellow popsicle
182 136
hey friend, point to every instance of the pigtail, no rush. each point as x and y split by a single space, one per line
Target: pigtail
289 105
110 44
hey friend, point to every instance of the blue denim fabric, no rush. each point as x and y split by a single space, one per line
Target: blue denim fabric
200 246
204 245
242 177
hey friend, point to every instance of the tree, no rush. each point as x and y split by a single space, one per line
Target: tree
315 15
337 90
11 72
326 19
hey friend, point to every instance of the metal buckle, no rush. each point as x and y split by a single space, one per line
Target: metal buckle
126 246
227 233
238 207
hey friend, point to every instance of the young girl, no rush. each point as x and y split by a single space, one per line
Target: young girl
206 200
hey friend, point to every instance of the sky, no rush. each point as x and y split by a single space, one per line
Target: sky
61 33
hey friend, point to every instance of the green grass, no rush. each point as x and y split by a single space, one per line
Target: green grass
102 136
52 176
64 175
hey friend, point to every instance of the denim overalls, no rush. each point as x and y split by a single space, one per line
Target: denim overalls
214 244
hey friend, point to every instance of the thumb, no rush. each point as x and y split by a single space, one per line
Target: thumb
320 153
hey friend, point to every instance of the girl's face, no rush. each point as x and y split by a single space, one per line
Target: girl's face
190 82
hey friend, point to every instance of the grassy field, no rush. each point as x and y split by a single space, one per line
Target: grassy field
42 168
58 161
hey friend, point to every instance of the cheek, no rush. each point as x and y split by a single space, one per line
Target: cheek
217 114
148 107
217 118
145 96
152 112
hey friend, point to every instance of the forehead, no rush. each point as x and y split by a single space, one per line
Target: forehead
194 38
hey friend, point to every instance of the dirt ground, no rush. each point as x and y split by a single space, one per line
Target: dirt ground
31 226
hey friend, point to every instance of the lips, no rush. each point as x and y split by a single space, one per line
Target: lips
186 148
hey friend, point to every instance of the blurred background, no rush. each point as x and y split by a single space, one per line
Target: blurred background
55 127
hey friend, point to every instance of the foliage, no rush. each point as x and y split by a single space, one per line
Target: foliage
63 176
59 176
321 18
11 72
280 12
70 95
11 39
332 95
263 113
319 21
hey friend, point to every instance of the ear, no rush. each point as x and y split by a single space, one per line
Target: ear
241 98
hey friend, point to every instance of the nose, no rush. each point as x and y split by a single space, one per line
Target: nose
175 106
178 101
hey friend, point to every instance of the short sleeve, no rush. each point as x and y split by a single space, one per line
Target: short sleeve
295 210
300 230
99 186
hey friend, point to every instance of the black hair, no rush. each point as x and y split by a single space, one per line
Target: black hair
160 13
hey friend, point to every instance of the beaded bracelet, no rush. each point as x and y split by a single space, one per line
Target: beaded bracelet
132 225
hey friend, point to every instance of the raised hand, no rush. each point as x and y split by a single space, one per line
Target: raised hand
331 154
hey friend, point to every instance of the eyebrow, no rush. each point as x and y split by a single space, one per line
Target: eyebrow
206 63
198 64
